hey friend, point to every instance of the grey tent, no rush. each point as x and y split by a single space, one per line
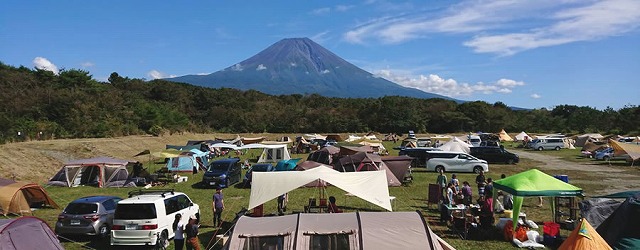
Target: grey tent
362 161
100 172
596 210
360 230
27 233
622 229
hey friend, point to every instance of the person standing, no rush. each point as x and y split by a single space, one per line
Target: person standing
218 207
467 193
488 193
442 182
178 229
480 180
193 243
455 182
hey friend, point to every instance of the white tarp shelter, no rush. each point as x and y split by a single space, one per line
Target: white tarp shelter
270 153
522 136
368 185
456 145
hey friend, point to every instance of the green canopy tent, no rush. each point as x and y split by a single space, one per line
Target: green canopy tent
534 183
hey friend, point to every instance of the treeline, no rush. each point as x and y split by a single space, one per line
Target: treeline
38 104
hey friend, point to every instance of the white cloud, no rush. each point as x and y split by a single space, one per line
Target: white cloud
202 74
237 67
326 71
154 74
508 27
261 67
87 64
44 64
535 96
321 11
448 87
343 8
293 64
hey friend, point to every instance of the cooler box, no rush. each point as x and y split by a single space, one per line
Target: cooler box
507 214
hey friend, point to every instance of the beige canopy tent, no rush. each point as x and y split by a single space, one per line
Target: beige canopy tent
582 140
360 230
504 136
17 197
369 185
620 148
522 136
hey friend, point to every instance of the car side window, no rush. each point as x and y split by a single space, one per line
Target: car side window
109 204
183 202
171 205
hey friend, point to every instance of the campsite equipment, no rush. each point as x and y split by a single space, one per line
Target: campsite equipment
99 171
360 230
27 233
584 237
534 183
18 197
622 229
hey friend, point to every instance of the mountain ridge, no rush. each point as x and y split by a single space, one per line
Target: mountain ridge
301 66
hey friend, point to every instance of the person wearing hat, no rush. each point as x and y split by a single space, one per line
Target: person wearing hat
218 206
191 230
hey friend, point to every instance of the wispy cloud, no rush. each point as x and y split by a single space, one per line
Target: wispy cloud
44 64
237 67
535 96
87 64
499 26
155 74
320 37
321 11
261 67
448 87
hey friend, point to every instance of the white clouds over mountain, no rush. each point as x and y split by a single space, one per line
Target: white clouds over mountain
44 64
449 87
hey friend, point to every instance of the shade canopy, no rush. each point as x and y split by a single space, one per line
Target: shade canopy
625 148
369 185
536 183
533 183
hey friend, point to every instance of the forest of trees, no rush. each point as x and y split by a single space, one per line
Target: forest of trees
39 104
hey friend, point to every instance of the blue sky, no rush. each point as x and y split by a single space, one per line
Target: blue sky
530 54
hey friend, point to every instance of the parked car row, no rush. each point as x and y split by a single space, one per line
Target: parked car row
144 218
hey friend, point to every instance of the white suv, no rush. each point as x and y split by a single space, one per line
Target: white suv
149 214
455 162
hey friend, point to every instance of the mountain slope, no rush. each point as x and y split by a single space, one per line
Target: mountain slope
301 66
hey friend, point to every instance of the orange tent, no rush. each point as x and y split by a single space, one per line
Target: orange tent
584 237
17 197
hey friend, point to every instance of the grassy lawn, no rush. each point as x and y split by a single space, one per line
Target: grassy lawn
408 198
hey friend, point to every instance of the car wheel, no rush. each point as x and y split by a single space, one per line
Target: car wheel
606 158
557 148
226 182
540 148
510 161
103 231
164 239
477 169
438 168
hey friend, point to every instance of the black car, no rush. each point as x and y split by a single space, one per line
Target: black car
223 173
420 155
92 215
495 155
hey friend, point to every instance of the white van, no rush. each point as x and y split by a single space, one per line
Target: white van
149 214
449 161
475 140
547 143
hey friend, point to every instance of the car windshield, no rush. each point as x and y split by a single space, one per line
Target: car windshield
218 166
135 211
260 168
81 208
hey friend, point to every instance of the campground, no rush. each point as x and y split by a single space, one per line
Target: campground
37 161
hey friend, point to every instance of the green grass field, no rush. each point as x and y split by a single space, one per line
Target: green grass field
408 198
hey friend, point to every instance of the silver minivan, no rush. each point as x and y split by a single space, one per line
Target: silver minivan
547 143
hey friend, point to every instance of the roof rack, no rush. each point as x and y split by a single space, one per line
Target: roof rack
151 191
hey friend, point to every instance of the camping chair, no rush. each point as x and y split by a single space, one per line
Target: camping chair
461 223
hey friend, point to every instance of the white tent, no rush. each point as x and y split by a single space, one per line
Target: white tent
273 153
522 135
368 185
456 145
359 230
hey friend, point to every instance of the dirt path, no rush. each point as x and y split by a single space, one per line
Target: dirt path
613 178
